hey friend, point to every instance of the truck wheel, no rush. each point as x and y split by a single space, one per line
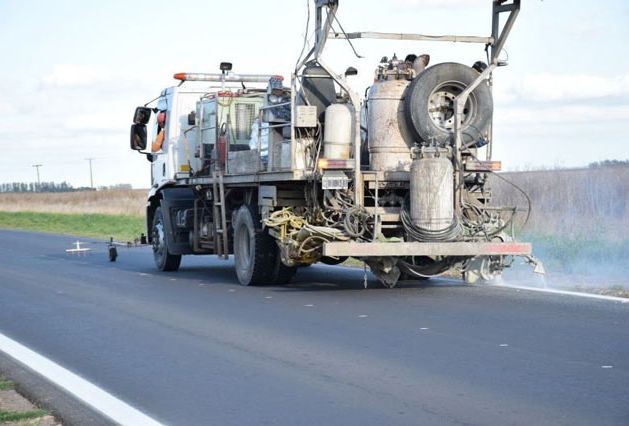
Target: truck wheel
429 104
163 259
254 249
282 274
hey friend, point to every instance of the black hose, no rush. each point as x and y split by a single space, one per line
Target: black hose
417 233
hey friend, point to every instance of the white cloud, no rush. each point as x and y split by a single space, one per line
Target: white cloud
441 4
72 75
549 87
6 108
562 114
108 120
93 78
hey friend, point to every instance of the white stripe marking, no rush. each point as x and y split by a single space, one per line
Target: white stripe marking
567 293
117 410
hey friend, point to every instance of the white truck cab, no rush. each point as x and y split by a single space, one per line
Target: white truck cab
177 154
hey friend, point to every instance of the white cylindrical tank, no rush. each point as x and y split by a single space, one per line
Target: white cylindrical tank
337 136
432 193
389 138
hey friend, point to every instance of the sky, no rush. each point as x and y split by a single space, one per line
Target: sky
74 71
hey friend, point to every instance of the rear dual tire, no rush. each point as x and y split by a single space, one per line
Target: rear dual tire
256 254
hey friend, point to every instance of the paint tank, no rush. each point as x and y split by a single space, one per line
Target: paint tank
389 138
337 135
432 193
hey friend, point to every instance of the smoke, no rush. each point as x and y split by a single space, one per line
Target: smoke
579 226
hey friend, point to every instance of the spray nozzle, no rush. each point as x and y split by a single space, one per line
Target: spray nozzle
538 266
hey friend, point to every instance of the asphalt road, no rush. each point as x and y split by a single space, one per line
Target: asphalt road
194 347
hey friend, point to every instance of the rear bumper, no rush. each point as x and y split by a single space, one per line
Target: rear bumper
466 249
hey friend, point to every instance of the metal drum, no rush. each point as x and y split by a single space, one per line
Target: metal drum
432 193
389 138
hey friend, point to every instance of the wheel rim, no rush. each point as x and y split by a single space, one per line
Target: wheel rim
441 105
158 239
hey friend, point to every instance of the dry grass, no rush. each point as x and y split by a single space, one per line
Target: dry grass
586 203
579 222
108 202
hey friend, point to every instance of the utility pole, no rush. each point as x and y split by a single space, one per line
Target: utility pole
37 166
91 175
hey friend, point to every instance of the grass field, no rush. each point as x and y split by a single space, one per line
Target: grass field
122 228
583 204
97 214
110 202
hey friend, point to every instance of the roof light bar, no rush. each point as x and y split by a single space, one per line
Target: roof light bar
236 78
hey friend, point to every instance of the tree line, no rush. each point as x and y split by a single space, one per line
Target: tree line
52 187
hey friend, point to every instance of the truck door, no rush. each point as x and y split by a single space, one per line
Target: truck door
159 167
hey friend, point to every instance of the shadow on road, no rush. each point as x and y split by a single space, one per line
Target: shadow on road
211 270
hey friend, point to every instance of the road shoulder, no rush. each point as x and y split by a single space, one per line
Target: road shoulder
48 396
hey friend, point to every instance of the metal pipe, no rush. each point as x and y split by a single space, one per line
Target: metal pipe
500 39
459 105
275 105
322 33
411 37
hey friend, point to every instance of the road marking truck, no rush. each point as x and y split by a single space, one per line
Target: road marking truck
283 174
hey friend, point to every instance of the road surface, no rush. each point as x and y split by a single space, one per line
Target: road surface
193 347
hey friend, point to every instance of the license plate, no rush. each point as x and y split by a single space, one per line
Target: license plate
334 180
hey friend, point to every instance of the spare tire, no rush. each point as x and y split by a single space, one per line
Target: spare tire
429 104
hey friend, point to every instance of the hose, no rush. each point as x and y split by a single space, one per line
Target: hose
417 233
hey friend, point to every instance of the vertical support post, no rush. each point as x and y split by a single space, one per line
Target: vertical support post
91 174
500 37
459 106
37 166
322 31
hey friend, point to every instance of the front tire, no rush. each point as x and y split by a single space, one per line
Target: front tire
163 259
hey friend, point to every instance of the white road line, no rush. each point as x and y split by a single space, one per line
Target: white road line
566 293
117 410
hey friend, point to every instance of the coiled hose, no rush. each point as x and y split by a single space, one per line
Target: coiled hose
420 234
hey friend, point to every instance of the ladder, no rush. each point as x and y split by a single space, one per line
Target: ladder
221 243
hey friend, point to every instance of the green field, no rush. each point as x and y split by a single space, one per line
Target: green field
122 228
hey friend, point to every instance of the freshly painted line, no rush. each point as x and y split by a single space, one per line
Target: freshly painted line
112 407
566 293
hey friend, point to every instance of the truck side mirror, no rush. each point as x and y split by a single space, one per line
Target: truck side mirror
142 115
138 137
